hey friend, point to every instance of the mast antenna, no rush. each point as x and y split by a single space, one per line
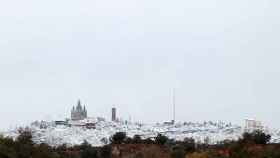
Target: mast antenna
174 105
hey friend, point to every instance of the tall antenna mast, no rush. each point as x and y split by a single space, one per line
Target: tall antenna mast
174 105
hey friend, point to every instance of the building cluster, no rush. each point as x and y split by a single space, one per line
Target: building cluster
79 117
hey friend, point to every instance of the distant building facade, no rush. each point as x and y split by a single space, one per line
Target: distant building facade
60 123
78 112
251 125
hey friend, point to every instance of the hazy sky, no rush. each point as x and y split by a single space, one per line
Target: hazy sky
222 57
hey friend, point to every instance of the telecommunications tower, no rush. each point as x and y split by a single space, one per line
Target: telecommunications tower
174 105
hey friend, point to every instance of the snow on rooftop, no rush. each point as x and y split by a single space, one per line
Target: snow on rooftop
57 135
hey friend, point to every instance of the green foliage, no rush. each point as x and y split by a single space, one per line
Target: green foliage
43 151
24 143
257 137
128 140
137 139
118 138
87 151
252 145
148 141
161 139
178 152
180 148
189 144
271 153
25 136
106 151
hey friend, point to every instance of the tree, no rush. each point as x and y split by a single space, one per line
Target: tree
118 138
89 152
178 152
161 139
25 136
189 144
148 141
24 143
257 137
260 137
106 151
137 139
43 151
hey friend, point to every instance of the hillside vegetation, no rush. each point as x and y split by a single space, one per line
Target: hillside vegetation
251 145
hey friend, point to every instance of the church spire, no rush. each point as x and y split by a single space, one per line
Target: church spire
79 112
79 106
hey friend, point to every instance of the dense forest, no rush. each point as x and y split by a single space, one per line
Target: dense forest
251 145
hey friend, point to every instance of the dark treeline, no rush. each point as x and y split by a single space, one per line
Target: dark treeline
251 145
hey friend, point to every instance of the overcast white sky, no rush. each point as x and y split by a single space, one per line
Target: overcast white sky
221 56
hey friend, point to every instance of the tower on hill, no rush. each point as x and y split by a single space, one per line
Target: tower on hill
114 114
78 112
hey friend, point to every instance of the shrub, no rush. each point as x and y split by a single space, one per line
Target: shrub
24 143
161 139
148 141
89 152
128 140
25 136
137 139
178 152
43 151
257 137
189 144
118 138
106 151
197 155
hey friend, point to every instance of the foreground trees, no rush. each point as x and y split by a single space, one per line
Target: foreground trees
257 137
251 145
118 138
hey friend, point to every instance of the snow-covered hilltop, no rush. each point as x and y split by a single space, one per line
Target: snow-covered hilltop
48 132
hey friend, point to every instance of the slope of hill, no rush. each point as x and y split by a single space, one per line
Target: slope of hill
201 132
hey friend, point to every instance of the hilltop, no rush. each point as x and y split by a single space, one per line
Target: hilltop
209 132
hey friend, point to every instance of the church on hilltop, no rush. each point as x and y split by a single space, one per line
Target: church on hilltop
78 112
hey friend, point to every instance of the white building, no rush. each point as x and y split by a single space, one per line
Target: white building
252 125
